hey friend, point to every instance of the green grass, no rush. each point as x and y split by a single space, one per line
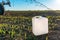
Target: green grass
17 25
20 27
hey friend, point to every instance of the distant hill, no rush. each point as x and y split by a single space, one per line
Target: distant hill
33 13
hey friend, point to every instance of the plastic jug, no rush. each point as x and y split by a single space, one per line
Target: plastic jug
39 25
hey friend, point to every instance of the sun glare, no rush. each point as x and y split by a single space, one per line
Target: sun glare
58 1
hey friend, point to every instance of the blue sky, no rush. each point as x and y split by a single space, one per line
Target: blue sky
23 5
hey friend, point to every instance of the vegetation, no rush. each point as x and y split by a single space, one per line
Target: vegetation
20 27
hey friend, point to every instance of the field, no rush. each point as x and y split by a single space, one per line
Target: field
17 25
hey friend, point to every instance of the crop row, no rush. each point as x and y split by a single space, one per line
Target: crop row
20 27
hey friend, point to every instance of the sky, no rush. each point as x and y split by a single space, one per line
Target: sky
28 5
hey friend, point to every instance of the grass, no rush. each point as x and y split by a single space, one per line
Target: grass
16 27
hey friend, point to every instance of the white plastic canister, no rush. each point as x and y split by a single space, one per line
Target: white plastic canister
39 25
